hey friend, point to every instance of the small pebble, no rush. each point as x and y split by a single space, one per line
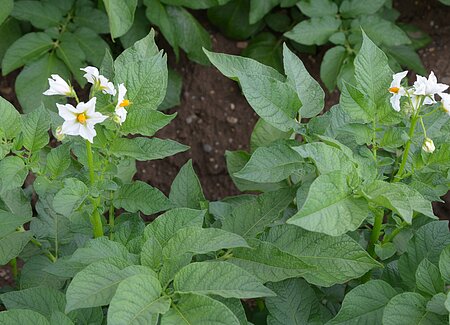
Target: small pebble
207 147
232 119
232 106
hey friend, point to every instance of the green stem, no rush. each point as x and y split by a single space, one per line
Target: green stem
90 159
394 233
375 234
374 237
13 264
401 170
95 218
111 218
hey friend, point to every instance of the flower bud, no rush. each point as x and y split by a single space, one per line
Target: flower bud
428 145
59 134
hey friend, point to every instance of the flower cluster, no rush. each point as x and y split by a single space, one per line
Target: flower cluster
423 92
82 118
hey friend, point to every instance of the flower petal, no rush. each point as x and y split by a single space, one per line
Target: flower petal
67 112
71 127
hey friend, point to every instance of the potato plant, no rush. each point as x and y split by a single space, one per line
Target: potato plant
341 230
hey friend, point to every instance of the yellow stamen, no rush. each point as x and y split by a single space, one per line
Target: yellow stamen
125 103
81 118
394 90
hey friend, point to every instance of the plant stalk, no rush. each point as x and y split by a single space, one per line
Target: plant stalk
401 170
95 218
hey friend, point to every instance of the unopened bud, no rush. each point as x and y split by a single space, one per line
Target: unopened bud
59 134
428 145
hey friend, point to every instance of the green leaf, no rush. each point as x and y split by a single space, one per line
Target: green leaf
23 316
198 4
144 149
250 219
138 30
295 303
173 94
167 224
233 66
199 310
318 8
444 264
399 198
35 129
151 254
232 19
9 33
12 245
70 197
266 49
258 9
338 259
271 164
26 49
381 31
330 207
406 56
32 81
428 242
365 304
121 15
72 54
7 7
268 263
145 121
11 122
186 190
43 300
354 8
138 301
264 134
58 160
372 73
437 304
235 305
40 14
59 318
274 101
85 14
196 240
190 35
428 278
409 308
144 72
93 46
219 278
157 14
12 173
97 283
139 196
99 249
16 202
322 154
316 30
308 89
331 66
9 222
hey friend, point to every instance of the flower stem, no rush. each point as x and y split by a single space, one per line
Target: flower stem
394 233
401 170
95 218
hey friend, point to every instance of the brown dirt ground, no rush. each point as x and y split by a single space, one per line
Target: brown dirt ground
214 116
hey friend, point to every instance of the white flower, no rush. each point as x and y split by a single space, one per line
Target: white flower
428 87
93 76
80 120
120 111
428 145
397 90
445 102
58 86
415 99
